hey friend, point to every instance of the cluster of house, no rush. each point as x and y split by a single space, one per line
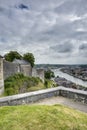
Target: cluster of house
79 72
17 66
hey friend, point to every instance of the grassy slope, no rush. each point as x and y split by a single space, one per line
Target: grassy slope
41 118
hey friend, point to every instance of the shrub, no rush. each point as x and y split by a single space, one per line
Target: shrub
12 55
49 74
30 58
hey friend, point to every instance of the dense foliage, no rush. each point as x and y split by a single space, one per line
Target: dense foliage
19 83
49 74
12 55
30 58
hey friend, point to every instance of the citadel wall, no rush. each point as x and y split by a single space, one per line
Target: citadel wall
1 76
38 73
26 70
10 69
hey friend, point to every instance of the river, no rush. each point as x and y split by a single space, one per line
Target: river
75 80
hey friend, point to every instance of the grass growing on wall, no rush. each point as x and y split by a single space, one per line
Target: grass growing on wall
55 117
19 83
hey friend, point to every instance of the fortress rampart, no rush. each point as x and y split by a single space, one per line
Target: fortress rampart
10 68
1 76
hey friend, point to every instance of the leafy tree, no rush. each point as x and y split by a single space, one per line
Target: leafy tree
12 55
49 74
30 58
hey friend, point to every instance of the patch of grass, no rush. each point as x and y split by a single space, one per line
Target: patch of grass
32 117
37 87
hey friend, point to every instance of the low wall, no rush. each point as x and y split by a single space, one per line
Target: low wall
77 95
31 97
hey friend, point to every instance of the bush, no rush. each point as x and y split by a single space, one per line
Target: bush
49 74
30 58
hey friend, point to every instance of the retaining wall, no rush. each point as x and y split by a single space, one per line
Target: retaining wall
31 97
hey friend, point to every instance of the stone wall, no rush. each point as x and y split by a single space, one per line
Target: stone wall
13 68
1 77
10 69
26 70
31 97
38 73
77 95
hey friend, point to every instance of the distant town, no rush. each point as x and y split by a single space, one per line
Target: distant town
68 84
78 72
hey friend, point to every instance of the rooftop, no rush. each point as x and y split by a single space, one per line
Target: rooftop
22 62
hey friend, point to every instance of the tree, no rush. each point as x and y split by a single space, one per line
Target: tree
49 74
12 55
30 58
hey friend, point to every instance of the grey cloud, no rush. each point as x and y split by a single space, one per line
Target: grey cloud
22 7
83 50
83 46
63 48
78 7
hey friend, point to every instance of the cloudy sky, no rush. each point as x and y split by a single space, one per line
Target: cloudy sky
55 31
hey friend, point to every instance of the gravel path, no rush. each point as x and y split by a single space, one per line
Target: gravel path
64 101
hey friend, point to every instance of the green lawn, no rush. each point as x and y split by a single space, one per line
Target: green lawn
36 117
